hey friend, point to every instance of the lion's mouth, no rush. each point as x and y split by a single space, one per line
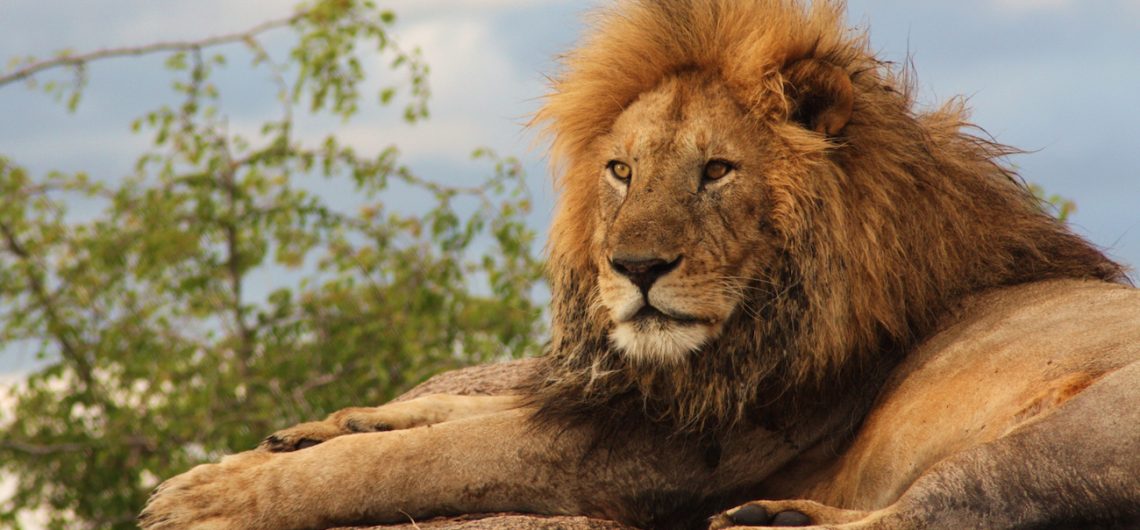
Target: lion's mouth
659 335
650 314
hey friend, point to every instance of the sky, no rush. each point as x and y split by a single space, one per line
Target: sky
1057 77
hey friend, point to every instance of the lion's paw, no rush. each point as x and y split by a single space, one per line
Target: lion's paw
794 513
208 497
346 421
301 436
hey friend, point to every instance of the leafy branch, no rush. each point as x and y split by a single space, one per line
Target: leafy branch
27 68
31 66
216 296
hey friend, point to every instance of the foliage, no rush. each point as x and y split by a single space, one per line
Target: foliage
1053 203
156 355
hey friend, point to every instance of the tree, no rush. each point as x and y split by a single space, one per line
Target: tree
157 356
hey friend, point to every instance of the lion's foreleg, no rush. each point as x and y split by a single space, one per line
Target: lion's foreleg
495 463
492 463
416 412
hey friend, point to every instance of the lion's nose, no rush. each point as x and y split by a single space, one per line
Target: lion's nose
643 271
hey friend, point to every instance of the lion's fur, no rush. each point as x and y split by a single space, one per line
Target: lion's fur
884 227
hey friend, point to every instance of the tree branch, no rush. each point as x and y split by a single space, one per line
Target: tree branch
140 443
168 46
42 450
233 259
56 325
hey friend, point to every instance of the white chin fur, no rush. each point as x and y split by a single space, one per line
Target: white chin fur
658 343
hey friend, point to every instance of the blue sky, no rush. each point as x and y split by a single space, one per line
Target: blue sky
1060 77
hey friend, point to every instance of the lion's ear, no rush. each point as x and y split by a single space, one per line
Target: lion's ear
820 94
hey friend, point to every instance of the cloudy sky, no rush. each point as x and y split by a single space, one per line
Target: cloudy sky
1060 77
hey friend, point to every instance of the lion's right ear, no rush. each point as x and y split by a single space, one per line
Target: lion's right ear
820 94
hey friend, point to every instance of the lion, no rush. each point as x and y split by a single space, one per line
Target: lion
782 295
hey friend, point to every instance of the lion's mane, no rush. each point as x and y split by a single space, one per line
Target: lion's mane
907 212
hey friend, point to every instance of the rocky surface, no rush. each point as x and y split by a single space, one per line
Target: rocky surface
505 522
482 380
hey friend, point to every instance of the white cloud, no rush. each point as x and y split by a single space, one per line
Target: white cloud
479 98
474 85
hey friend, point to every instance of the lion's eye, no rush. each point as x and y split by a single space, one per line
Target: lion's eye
620 170
717 169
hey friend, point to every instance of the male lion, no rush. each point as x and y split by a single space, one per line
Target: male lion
772 278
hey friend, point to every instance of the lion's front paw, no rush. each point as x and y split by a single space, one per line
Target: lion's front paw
346 421
784 514
301 436
210 496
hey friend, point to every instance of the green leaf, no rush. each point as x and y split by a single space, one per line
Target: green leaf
189 310
386 95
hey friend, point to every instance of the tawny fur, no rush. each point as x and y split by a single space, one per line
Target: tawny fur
881 228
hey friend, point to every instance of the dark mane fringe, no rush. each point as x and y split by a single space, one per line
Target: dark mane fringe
902 217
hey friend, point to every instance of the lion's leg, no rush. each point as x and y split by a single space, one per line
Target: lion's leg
488 464
416 412
500 462
475 465
448 396
1078 467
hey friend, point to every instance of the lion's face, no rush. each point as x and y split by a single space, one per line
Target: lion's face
680 238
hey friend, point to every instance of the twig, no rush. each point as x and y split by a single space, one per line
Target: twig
233 261
43 450
137 442
82 59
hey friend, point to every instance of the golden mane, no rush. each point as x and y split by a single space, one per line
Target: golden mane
906 213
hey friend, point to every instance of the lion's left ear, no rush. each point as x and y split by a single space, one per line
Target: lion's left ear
821 95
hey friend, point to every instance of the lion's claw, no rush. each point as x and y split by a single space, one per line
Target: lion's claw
301 436
284 443
340 423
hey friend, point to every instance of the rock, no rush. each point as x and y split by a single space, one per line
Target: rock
480 380
507 522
